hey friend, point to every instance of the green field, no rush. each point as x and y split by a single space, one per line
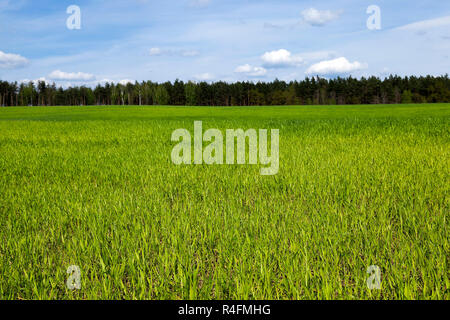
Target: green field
95 187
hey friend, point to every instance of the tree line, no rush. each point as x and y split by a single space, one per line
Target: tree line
311 91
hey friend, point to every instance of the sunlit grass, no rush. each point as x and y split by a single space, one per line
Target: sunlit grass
95 187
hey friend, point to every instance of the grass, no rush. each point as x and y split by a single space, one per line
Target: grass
95 187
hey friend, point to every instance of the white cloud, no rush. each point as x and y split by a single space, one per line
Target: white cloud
12 61
335 67
281 58
385 72
251 71
59 75
104 81
124 82
318 18
427 24
204 76
35 81
155 52
76 83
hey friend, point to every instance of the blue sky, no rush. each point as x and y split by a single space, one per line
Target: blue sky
230 40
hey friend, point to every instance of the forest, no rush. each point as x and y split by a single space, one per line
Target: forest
310 91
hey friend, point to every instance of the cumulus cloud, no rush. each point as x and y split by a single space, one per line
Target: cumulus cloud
59 75
124 82
35 81
251 71
337 66
204 76
318 18
12 61
280 59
